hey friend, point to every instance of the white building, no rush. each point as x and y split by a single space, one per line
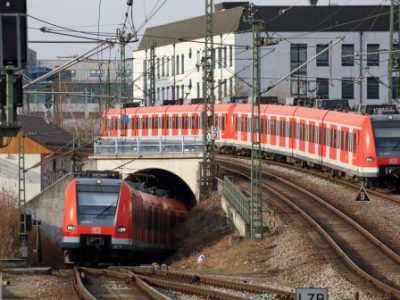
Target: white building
301 32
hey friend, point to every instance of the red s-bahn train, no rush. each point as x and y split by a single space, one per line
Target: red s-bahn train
360 146
108 219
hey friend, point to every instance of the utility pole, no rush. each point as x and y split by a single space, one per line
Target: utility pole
208 168
152 95
256 163
390 62
21 195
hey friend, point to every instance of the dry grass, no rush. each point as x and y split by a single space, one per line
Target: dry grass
8 225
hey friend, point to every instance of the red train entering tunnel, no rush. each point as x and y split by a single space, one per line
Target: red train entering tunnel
108 220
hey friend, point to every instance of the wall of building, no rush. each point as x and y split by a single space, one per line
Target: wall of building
9 174
275 64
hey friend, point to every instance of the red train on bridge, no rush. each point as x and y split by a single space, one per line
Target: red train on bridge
108 219
366 147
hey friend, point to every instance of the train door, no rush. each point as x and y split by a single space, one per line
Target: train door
355 147
154 126
185 124
302 135
344 145
272 124
333 142
311 138
114 128
134 125
124 125
244 128
282 131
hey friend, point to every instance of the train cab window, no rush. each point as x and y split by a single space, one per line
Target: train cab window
97 204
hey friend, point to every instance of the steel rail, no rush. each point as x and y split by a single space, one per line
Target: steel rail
193 278
80 290
350 262
135 280
327 177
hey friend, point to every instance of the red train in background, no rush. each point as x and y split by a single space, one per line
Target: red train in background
108 219
360 146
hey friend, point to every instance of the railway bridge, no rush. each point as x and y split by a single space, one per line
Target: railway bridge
173 162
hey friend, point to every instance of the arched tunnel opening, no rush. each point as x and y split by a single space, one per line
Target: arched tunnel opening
163 183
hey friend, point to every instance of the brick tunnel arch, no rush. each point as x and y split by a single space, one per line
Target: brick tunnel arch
167 180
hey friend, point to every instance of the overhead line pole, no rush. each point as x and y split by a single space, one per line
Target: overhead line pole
390 62
208 168
256 223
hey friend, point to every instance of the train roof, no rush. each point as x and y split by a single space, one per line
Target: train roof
224 107
346 118
280 110
184 108
151 110
94 181
311 113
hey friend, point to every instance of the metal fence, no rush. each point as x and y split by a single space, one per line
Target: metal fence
236 198
131 145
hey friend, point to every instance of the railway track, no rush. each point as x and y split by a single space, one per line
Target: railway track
135 288
245 289
323 175
363 252
147 283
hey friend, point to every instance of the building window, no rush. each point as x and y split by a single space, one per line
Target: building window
347 88
183 91
172 65
177 92
73 73
158 68
96 73
230 87
373 88
323 88
158 93
172 92
395 87
163 67
183 64
167 69
322 59
373 54
347 55
396 56
225 57
177 65
225 88
167 95
298 87
298 56
198 90
230 56
163 93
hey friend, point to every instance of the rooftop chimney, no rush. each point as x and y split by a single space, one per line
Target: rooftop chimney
313 2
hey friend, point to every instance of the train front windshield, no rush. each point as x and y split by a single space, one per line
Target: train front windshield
97 204
387 138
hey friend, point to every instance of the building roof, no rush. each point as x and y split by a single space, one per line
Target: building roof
224 21
48 135
229 18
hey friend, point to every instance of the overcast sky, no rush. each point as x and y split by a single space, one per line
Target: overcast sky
83 15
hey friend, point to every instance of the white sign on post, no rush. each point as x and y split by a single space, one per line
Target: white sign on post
311 294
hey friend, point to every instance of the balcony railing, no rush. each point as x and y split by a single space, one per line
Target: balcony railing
148 145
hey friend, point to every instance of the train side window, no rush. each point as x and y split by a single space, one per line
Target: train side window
333 138
223 120
249 120
283 128
150 122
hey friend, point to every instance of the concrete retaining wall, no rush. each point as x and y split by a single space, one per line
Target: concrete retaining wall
48 207
234 217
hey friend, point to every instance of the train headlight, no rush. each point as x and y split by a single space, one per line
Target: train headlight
370 159
121 229
71 227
